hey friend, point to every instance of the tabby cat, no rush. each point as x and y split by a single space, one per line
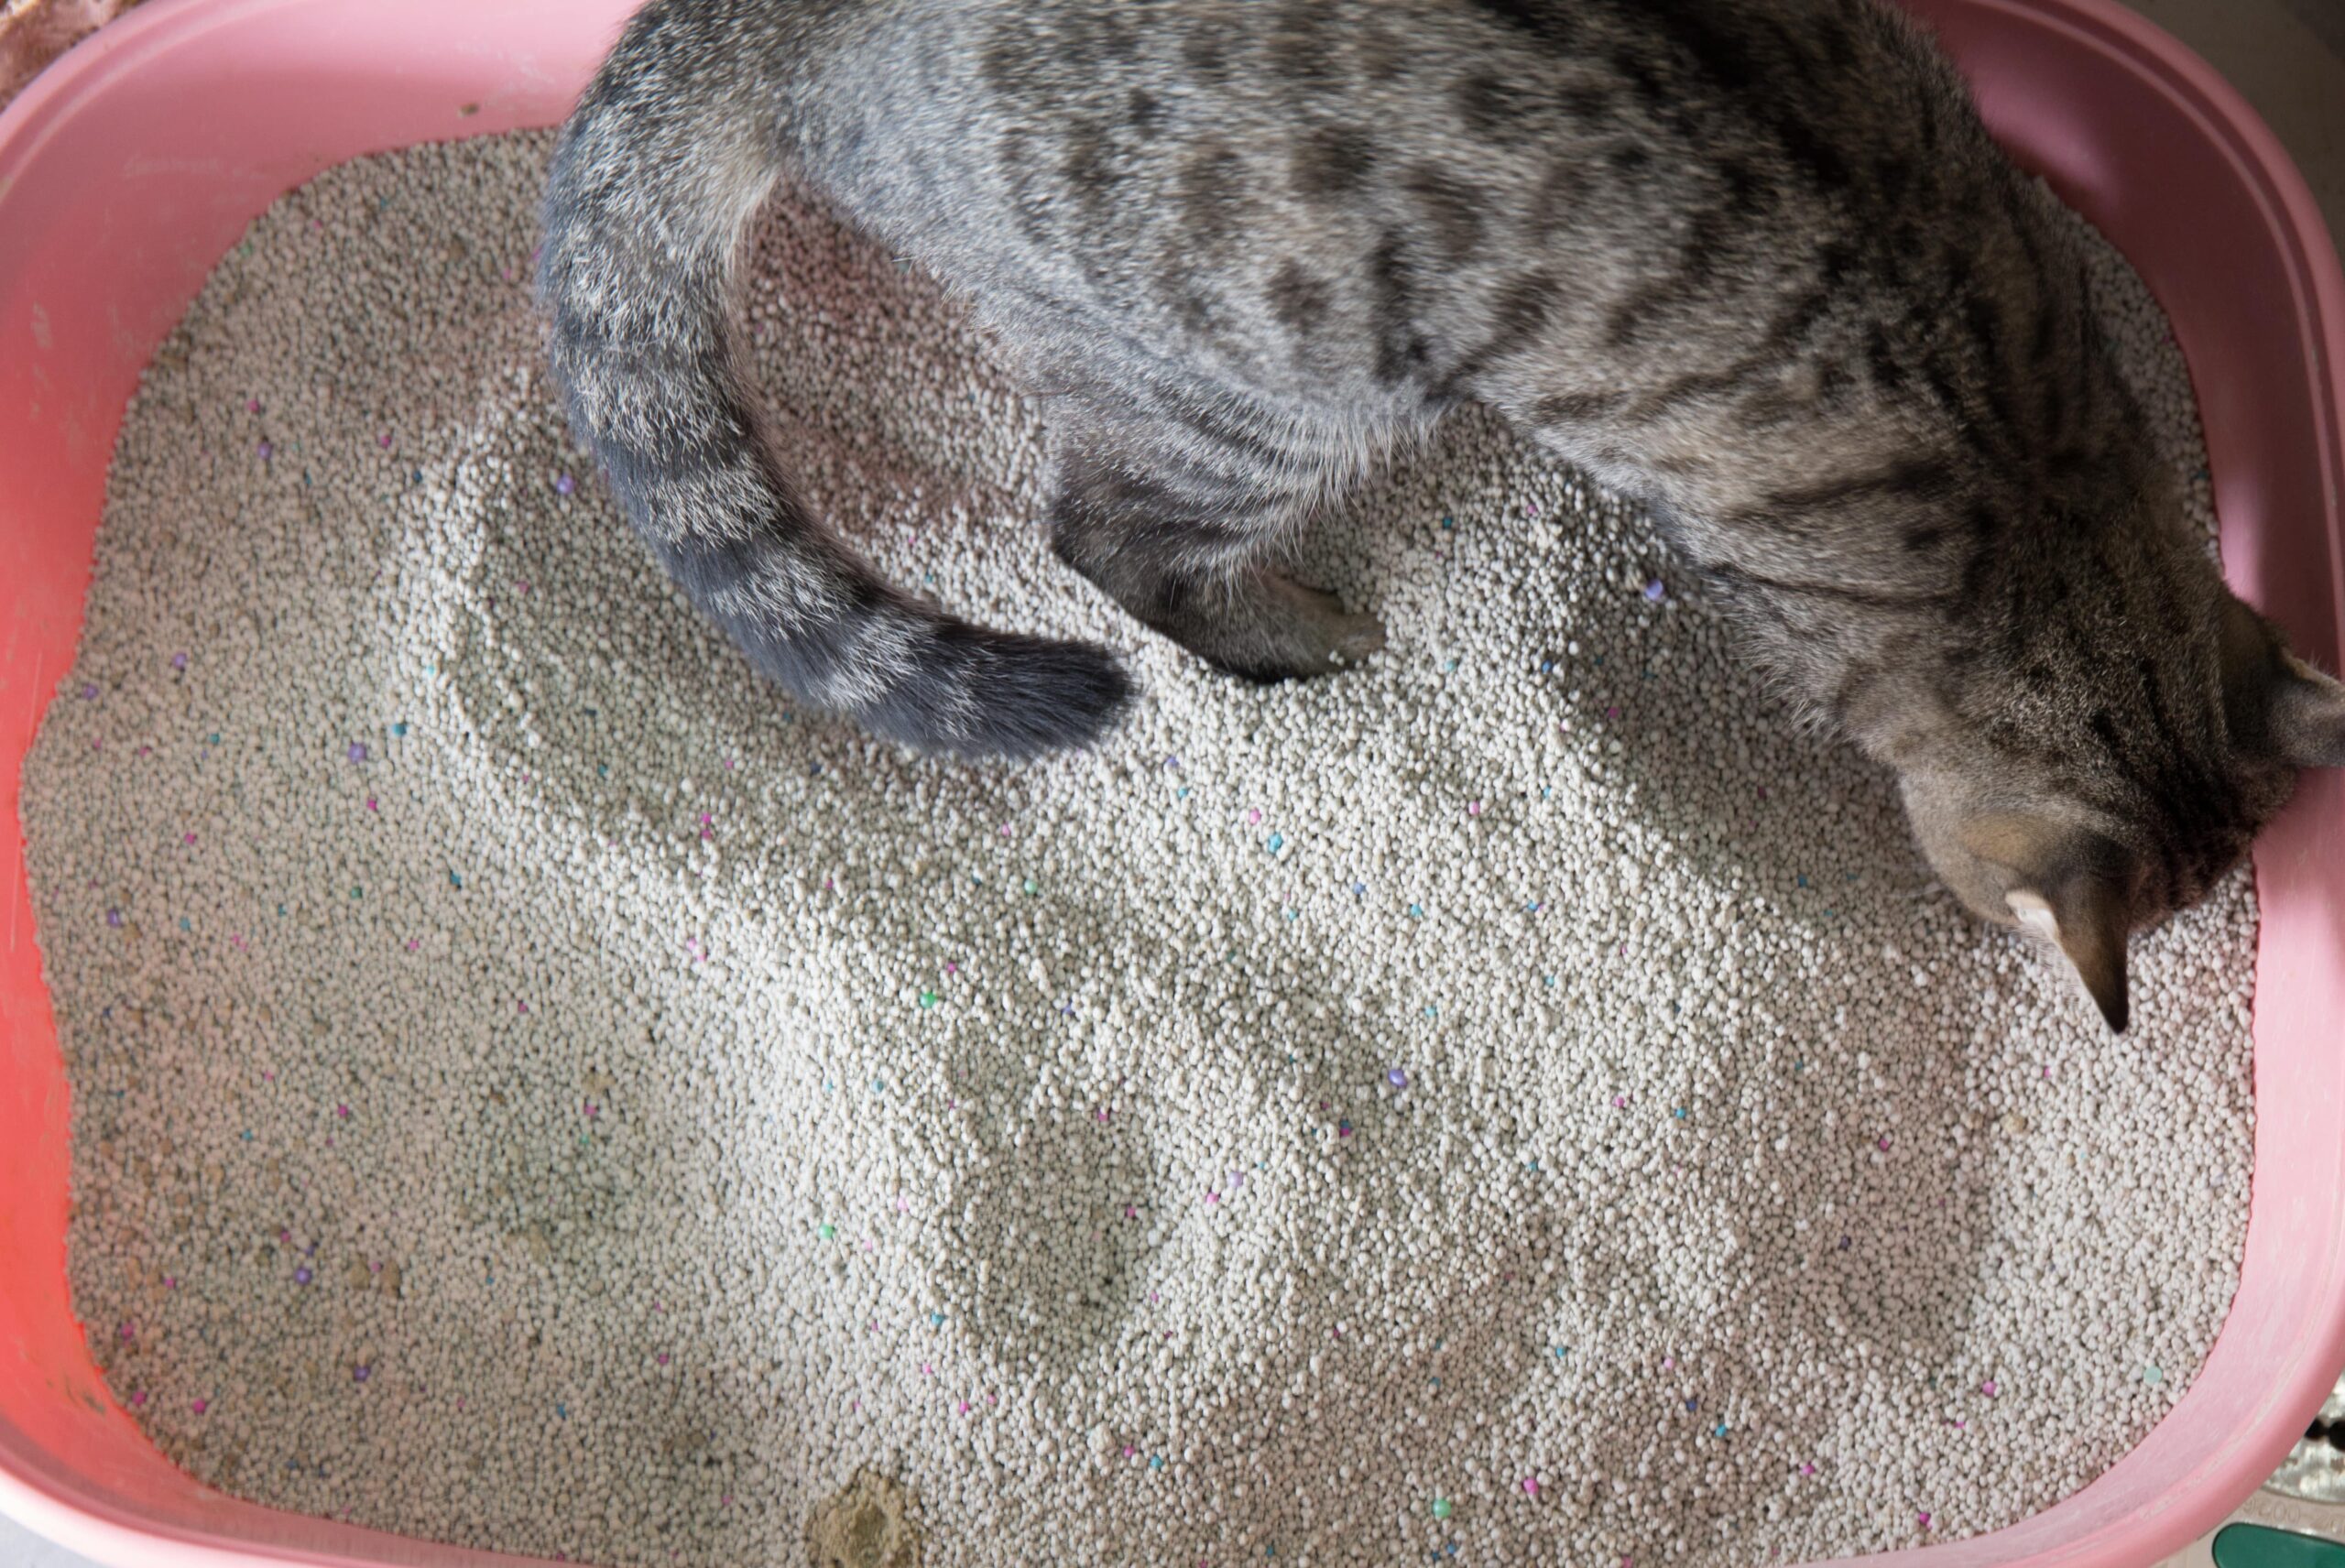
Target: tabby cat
1755 263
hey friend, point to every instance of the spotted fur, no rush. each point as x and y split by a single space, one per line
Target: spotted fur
1758 264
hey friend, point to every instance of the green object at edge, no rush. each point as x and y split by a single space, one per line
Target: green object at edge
2259 1546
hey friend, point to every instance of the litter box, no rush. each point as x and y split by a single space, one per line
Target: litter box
130 167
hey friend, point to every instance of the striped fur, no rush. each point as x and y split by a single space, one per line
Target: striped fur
1756 262
668 154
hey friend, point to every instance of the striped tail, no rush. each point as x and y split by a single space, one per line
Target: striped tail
654 179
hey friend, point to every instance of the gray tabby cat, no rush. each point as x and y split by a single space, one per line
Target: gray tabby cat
1756 262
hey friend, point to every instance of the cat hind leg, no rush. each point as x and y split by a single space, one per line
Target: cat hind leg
1180 525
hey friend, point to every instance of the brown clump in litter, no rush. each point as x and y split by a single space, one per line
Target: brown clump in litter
867 1523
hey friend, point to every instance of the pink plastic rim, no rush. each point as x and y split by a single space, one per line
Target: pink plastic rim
130 167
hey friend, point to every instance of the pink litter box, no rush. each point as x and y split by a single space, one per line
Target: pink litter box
132 165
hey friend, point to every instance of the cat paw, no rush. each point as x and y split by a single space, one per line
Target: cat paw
1294 633
1353 638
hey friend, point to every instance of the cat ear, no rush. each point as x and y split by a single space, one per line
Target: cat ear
2089 924
2307 719
2071 886
2269 691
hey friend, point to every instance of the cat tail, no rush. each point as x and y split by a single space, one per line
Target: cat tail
654 179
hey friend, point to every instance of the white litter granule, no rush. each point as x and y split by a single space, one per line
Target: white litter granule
1516 1101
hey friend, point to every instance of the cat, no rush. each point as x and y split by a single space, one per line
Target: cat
1757 263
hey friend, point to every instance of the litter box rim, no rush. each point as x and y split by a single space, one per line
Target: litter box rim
89 139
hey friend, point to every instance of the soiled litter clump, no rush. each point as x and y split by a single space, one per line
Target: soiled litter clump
535 1089
868 1525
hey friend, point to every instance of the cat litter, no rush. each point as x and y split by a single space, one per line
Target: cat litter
1516 1101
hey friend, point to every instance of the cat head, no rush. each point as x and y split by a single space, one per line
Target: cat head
2145 794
